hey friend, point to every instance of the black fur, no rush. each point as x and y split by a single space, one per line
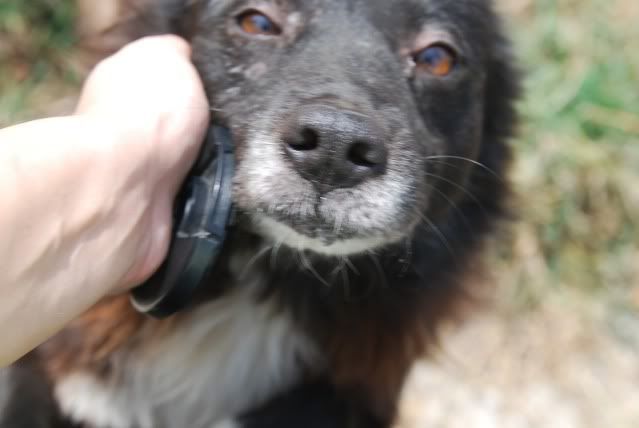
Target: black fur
26 400
374 312
311 405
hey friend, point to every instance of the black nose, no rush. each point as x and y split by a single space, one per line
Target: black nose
335 148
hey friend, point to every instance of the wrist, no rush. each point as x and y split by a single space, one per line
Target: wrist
68 224
61 192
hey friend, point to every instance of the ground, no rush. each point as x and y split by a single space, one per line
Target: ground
556 367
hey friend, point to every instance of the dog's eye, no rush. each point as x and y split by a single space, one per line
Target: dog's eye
438 59
254 22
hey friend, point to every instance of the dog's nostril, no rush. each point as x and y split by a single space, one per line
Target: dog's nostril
307 139
363 153
334 148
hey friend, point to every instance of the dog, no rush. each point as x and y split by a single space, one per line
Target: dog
372 145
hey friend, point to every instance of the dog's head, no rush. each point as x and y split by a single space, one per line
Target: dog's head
355 120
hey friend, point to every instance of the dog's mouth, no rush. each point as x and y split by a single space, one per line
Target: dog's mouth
338 225
319 240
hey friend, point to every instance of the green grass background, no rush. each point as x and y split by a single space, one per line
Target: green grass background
577 170
578 152
36 37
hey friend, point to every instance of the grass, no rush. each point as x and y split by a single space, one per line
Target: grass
578 151
36 39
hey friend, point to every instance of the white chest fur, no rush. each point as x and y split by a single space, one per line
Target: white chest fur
226 357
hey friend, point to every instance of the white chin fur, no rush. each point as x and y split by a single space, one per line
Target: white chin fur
284 234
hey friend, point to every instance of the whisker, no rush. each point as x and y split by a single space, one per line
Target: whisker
406 260
441 162
308 266
460 187
338 268
350 264
345 278
254 260
474 162
439 233
274 252
454 205
379 269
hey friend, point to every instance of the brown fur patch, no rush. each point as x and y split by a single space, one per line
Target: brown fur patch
89 341
372 352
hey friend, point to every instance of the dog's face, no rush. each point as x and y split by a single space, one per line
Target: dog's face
350 116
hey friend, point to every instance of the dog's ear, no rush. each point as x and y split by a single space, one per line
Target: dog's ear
133 19
170 16
151 17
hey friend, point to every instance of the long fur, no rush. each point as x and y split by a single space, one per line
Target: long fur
322 301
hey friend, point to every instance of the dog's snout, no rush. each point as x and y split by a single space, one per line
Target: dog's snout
335 148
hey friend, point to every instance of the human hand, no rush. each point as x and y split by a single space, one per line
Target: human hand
87 199
150 92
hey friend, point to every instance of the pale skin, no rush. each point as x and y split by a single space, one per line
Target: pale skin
87 199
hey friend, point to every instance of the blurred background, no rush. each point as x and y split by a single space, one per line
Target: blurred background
557 345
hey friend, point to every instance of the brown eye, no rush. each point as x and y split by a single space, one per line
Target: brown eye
439 60
254 22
